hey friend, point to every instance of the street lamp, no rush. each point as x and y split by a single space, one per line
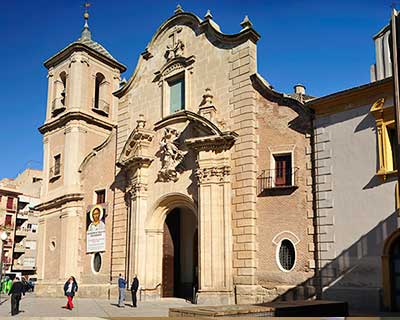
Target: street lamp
3 237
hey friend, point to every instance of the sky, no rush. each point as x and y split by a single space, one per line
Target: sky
325 45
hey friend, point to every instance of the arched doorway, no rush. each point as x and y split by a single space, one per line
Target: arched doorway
391 272
394 262
179 262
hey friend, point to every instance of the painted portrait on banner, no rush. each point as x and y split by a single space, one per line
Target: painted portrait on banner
95 229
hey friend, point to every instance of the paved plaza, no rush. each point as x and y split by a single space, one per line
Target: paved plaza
32 306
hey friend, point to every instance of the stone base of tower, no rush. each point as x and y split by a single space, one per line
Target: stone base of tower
215 297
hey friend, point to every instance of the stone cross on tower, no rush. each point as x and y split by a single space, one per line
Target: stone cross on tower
176 49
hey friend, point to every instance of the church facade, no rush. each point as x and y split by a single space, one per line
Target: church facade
195 174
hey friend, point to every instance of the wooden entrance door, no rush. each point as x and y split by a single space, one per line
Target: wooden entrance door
168 264
171 255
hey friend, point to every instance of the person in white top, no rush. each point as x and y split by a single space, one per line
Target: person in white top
95 216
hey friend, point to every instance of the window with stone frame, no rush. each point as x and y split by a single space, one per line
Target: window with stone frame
386 138
176 93
100 196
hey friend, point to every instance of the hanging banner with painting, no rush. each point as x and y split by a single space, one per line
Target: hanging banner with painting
95 229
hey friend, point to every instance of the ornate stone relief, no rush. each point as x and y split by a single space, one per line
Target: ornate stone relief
176 48
213 174
171 156
135 188
135 151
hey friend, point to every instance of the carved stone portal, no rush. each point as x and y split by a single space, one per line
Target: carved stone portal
171 156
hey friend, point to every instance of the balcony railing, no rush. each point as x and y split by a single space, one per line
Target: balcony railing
102 107
276 179
57 106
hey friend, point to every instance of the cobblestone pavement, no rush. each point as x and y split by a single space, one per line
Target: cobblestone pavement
32 306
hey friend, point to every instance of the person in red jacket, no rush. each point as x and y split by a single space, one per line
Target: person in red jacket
70 287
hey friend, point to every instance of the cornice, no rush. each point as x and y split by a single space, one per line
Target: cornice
357 96
56 202
75 115
224 142
66 52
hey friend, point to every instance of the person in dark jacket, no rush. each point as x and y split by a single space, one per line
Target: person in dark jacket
16 291
134 289
121 290
70 287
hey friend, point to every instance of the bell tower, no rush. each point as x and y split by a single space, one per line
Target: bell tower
81 113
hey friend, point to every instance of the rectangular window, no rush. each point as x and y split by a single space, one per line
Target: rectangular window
100 196
10 203
392 157
283 170
34 228
177 95
57 165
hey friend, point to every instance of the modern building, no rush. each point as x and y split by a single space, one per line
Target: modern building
194 174
26 227
24 221
356 197
8 218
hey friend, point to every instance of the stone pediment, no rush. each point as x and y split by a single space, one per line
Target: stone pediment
135 151
198 132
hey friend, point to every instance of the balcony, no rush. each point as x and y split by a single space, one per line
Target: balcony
55 172
19 248
57 106
277 182
102 107
22 215
21 267
21 232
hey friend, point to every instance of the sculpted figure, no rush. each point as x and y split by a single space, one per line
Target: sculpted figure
171 155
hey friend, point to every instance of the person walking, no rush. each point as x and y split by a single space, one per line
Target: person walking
16 291
134 289
8 285
121 289
70 287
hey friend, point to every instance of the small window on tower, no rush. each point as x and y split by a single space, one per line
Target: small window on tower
100 104
100 196
55 171
63 92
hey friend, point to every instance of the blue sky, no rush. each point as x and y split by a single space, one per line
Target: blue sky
325 45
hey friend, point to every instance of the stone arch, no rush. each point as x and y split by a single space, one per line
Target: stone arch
164 205
386 269
154 229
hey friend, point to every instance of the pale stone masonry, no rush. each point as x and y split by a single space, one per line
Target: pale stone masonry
203 163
